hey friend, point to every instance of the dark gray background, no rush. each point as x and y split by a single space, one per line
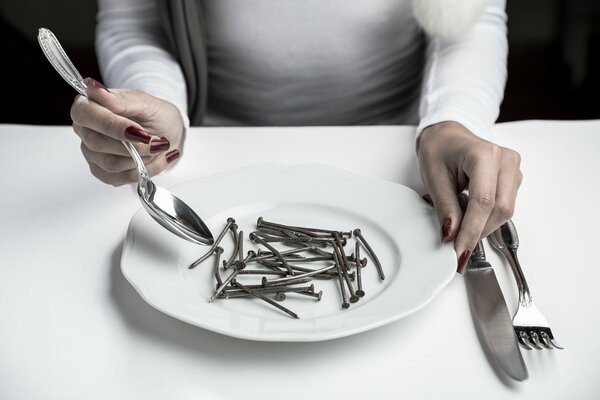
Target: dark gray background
553 65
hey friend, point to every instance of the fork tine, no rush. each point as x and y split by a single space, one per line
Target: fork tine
535 339
543 339
523 340
555 344
548 338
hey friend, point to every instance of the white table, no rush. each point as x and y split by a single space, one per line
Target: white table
72 327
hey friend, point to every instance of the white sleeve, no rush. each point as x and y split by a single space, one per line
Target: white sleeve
133 51
464 79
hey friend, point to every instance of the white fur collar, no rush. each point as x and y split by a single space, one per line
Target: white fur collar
447 19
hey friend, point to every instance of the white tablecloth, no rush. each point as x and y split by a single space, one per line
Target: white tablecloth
72 327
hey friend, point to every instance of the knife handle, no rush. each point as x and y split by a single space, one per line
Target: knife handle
478 252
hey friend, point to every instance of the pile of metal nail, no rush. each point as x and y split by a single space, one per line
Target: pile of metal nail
283 258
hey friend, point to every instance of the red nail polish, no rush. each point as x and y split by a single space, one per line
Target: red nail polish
133 133
446 229
159 145
93 82
172 155
462 261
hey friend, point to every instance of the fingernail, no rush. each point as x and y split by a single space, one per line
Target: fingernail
93 82
159 145
462 261
133 133
172 155
446 229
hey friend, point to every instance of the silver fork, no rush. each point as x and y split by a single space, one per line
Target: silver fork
530 326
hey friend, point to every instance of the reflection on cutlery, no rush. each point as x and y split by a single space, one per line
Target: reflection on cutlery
166 208
530 326
491 316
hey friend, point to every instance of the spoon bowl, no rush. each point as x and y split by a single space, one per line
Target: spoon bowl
173 214
166 208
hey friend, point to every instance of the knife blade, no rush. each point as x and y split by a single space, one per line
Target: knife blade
491 317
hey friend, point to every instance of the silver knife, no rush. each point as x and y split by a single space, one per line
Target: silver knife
491 316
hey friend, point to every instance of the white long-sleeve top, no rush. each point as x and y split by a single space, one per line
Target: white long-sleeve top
315 62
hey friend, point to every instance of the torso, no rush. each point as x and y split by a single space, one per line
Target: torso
312 62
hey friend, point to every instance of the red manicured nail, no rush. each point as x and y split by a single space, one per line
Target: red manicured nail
159 145
446 229
462 261
133 133
172 155
93 82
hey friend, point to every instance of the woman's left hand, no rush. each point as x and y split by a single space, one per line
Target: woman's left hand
453 159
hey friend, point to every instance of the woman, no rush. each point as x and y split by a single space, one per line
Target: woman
431 63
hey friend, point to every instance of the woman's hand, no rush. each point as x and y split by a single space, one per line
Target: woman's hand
105 118
453 159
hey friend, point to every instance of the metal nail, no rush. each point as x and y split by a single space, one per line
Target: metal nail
219 250
339 247
241 246
261 255
359 236
270 231
280 296
317 295
261 222
236 293
273 289
322 241
234 228
294 282
230 221
310 259
226 282
266 282
262 272
352 261
345 303
359 292
278 266
341 255
240 265
266 299
258 240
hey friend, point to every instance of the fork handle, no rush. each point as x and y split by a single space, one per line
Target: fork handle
513 260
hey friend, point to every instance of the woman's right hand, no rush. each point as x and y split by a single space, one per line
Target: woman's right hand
105 118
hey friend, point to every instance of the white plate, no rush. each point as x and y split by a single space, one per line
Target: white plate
400 227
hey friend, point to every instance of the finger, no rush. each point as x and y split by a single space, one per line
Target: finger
482 197
509 180
87 113
100 143
111 163
128 103
103 144
158 117
443 191
156 166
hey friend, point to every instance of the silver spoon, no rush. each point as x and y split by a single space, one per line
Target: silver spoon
167 209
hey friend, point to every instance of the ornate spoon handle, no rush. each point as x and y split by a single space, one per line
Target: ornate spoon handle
60 61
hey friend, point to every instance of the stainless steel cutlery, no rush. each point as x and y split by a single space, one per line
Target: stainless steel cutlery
530 325
491 316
